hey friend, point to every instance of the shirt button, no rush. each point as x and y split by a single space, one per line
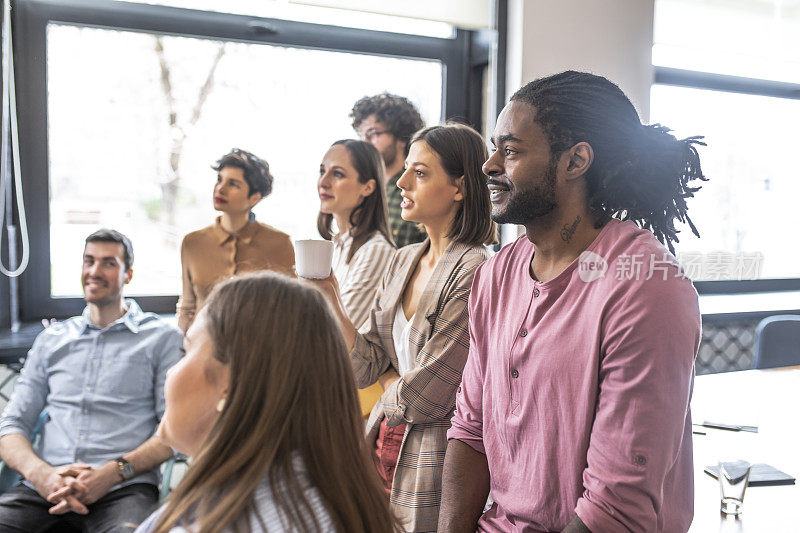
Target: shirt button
514 374
523 332
535 292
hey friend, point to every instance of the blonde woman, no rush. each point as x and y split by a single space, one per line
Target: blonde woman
264 402
351 194
417 337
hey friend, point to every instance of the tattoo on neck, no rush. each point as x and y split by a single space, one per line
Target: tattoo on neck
568 231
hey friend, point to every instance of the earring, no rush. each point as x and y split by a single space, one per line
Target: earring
221 405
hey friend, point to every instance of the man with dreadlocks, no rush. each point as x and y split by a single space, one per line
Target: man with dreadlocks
575 396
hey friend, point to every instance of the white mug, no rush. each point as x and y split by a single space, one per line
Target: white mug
313 258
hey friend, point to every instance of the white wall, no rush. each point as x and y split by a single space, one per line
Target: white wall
472 14
612 38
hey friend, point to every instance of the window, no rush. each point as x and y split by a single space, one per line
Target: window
749 38
750 185
107 143
731 72
287 10
117 161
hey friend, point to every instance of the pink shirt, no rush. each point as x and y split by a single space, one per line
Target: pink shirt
577 390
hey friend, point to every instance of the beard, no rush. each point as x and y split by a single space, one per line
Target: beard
389 155
525 205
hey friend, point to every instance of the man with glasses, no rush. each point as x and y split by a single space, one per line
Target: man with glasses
388 122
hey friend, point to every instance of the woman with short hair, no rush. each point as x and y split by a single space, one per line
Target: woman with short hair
417 338
264 403
236 242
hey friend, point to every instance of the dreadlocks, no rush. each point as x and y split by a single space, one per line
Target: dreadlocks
639 173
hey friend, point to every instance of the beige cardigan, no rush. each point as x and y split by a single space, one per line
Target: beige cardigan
212 254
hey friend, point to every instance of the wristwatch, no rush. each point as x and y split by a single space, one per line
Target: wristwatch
125 469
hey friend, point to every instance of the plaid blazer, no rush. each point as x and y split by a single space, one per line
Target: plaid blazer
424 397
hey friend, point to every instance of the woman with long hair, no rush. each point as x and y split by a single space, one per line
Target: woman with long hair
351 194
235 242
417 338
264 402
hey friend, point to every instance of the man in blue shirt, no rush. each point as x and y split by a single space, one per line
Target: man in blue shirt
100 377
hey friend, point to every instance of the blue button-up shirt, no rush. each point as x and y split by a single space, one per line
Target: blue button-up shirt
103 388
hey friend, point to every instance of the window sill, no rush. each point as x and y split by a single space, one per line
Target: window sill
715 304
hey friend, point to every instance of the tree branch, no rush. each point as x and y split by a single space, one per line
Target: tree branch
166 81
205 90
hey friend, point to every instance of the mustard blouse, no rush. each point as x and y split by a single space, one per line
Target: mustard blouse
212 254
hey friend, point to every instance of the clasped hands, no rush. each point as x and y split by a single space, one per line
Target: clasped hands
74 486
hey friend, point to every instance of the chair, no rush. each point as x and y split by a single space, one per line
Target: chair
777 342
166 475
8 476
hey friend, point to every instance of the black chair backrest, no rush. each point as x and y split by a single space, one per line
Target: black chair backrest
777 342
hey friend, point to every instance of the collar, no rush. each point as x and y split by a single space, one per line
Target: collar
131 319
342 239
245 235
440 275
396 177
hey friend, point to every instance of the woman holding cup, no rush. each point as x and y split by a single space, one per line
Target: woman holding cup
417 341
351 193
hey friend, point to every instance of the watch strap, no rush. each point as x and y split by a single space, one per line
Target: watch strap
124 468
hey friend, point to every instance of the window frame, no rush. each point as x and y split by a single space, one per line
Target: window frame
463 59
733 84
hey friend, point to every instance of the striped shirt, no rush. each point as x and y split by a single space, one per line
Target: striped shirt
361 277
358 281
267 516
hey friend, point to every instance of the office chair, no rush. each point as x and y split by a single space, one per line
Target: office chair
777 342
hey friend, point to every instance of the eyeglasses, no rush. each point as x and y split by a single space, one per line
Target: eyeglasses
369 135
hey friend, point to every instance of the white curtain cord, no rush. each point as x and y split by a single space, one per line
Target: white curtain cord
6 181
